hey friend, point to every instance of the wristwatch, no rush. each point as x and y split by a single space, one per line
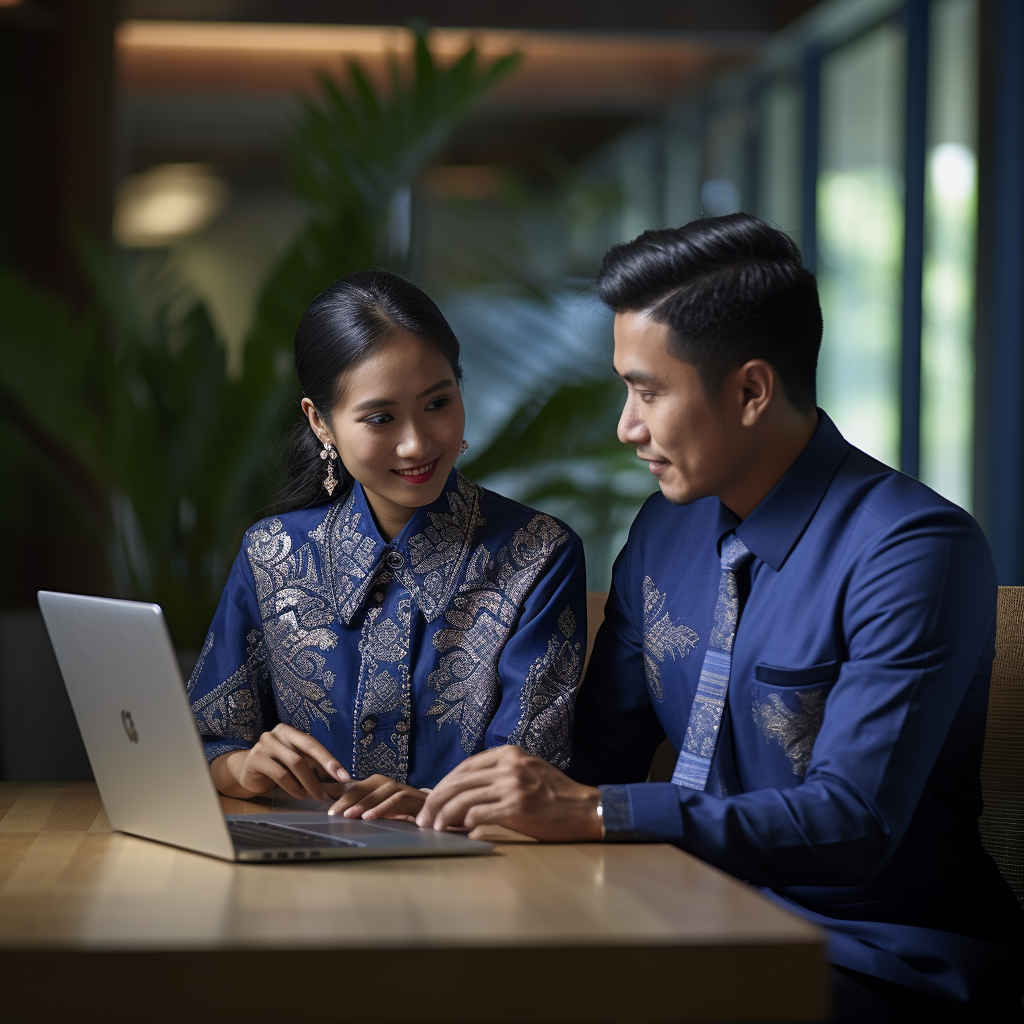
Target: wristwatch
600 813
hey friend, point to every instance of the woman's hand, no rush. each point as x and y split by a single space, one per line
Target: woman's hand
285 757
379 797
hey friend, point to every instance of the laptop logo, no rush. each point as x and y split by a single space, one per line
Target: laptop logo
129 726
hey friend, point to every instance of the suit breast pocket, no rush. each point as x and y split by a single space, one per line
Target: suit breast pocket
789 707
773 675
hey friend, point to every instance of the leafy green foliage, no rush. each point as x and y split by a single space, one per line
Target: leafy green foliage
123 428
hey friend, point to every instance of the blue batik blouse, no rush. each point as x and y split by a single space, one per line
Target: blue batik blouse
466 631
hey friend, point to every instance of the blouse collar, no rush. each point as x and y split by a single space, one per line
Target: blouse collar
427 557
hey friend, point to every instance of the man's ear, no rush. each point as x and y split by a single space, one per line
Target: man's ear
756 381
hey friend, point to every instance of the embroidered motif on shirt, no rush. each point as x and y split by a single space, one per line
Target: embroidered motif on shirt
207 647
567 622
795 731
437 554
297 611
349 556
383 709
662 638
547 698
233 708
481 618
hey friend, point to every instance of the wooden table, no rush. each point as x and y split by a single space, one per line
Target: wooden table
96 925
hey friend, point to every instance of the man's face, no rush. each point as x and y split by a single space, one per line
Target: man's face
687 438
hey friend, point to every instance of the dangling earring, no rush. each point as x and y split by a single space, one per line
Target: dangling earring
463 448
330 482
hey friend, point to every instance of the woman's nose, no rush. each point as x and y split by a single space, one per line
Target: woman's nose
412 445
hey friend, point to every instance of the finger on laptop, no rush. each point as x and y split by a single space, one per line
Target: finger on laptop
305 743
376 797
450 788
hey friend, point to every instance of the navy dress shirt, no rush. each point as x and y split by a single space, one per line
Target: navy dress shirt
846 778
465 631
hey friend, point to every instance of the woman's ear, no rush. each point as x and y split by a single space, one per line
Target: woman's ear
319 427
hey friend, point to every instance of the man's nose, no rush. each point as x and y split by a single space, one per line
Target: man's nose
632 429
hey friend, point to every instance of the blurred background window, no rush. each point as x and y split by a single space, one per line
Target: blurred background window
224 164
951 209
860 239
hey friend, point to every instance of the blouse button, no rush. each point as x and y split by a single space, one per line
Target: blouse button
395 559
379 596
402 725
369 723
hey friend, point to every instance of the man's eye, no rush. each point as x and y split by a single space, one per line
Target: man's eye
438 403
645 396
379 418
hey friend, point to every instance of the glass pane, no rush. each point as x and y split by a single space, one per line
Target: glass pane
725 140
951 195
781 157
860 238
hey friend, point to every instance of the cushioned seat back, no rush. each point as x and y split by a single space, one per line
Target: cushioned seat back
595 616
1002 769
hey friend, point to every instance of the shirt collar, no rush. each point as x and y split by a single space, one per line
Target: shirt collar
776 524
427 557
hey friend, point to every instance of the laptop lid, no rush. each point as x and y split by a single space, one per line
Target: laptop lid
125 686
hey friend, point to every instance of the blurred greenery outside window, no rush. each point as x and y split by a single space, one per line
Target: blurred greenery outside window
951 203
860 239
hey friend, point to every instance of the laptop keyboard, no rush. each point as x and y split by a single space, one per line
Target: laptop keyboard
265 835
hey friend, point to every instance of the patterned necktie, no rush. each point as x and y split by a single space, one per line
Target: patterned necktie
702 729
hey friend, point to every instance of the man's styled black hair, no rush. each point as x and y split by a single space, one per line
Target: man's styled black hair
730 289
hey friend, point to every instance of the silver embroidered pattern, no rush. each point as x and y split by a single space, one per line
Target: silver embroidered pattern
795 731
547 698
481 617
197 670
350 557
297 612
384 691
567 622
438 552
232 709
662 638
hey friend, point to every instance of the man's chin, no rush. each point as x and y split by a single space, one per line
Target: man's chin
676 492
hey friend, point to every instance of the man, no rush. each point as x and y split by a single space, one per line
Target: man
812 630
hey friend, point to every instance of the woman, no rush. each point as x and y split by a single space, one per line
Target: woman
394 617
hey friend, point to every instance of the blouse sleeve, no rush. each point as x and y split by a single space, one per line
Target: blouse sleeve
539 668
230 690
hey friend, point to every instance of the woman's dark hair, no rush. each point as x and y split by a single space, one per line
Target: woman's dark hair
730 289
342 326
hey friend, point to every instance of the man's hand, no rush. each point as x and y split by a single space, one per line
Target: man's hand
506 786
284 757
379 797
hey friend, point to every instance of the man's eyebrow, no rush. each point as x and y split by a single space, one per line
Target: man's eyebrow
446 383
638 377
378 403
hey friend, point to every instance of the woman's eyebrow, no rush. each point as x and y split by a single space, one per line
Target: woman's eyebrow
377 403
446 383
373 403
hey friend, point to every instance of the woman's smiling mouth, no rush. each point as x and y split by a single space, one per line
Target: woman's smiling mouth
417 474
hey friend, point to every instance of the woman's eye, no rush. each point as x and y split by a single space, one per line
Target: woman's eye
379 418
438 403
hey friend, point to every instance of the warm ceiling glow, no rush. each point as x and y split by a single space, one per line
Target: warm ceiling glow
191 35
163 204
564 70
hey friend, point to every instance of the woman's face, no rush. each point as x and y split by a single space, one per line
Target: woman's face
398 426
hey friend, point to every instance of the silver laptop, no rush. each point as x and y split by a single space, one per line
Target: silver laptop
128 696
